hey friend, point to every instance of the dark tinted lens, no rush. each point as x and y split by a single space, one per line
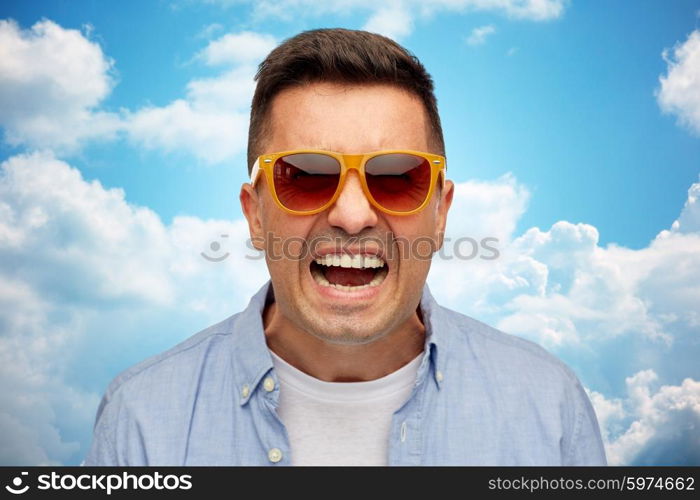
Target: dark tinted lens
306 181
398 181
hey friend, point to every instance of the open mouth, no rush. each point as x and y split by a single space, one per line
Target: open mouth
349 272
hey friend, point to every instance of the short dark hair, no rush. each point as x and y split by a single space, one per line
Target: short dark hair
343 56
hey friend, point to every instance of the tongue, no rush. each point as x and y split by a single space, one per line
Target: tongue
349 276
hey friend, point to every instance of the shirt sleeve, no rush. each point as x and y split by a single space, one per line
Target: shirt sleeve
585 445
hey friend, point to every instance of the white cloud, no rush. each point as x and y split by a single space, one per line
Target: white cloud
589 291
392 21
52 81
498 203
689 220
209 30
480 209
396 19
238 48
536 10
478 35
651 428
679 92
57 226
81 269
211 122
79 227
560 287
182 126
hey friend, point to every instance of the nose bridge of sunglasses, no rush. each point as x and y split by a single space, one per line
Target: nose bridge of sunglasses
353 162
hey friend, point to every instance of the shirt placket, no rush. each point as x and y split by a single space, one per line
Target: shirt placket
271 430
406 440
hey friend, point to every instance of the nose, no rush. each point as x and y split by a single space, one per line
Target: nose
352 211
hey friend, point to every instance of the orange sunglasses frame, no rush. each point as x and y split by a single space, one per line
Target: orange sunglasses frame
266 163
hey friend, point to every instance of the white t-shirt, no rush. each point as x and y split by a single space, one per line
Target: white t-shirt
340 423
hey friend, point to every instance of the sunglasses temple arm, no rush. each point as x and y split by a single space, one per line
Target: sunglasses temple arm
254 173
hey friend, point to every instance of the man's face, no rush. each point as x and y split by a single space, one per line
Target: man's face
346 119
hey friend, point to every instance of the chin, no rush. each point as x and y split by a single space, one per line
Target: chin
347 336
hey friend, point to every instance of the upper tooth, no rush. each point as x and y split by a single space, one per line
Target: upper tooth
346 260
373 261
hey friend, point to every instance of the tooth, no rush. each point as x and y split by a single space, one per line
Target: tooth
327 260
336 260
357 261
345 261
378 278
320 260
372 261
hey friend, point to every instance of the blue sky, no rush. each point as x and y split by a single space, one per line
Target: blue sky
572 131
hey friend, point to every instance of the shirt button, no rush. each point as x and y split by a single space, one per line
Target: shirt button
269 384
439 376
245 391
274 455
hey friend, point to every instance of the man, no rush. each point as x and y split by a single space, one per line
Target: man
344 357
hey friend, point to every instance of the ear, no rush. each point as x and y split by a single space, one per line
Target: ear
443 207
250 204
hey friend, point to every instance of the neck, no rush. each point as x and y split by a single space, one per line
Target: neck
343 362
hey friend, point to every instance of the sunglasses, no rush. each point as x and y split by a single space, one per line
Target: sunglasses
305 182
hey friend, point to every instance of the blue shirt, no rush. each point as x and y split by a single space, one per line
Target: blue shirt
481 397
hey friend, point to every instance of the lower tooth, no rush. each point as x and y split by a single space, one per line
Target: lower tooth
348 288
378 278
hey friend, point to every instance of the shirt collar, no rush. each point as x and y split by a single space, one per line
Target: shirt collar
252 359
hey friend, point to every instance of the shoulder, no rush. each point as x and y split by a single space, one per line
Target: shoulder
520 378
517 375
145 413
156 375
502 354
